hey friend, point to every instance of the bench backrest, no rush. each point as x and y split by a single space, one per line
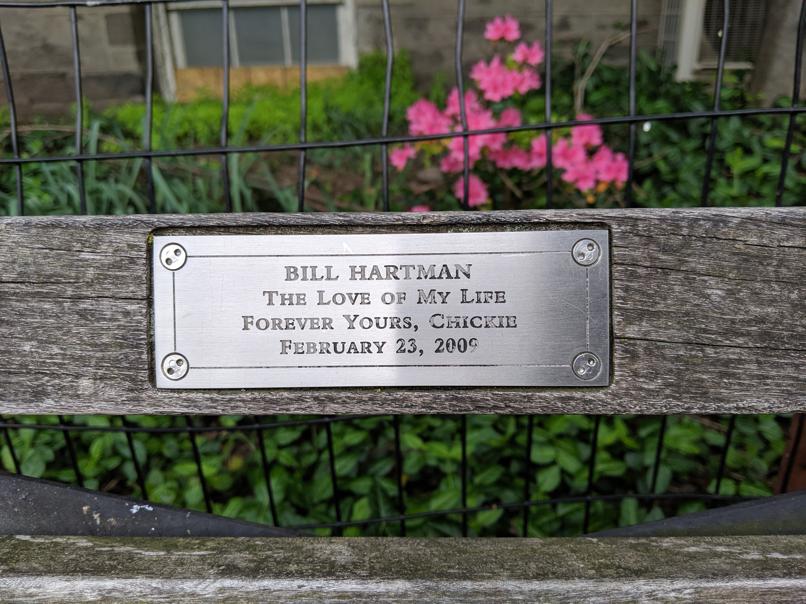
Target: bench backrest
707 315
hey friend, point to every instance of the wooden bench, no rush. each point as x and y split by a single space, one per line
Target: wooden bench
707 316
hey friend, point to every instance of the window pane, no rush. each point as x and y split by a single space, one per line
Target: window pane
259 32
201 31
323 34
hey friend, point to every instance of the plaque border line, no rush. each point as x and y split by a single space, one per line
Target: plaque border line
378 254
524 253
384 366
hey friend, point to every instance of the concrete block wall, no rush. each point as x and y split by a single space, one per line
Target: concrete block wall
39 47
426 28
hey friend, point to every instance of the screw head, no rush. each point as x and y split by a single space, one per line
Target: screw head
586 252
175 366
173 256
586 366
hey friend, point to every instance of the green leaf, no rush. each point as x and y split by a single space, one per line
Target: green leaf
488 475
568 462
33 464
628 513
487 518
548 479
362 509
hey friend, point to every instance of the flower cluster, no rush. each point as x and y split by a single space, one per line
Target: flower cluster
580 156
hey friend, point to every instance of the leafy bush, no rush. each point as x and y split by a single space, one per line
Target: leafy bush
365 467
669 163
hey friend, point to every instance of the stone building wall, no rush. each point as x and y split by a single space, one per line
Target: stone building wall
425 28
38 42
39 47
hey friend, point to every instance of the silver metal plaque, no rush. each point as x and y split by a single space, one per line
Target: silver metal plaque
525 308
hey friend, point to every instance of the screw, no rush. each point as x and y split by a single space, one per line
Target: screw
173 256
586 366
586 252
175 366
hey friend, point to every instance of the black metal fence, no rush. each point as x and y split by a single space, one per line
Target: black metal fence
262 429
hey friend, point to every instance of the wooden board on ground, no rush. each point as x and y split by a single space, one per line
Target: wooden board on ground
713 569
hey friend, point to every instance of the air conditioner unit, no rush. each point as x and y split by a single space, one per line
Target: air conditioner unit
691 34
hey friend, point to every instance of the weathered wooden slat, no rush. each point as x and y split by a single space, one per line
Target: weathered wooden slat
708 310
713 569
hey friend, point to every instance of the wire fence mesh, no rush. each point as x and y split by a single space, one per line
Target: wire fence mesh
262 430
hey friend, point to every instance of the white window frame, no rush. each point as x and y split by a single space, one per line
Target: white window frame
345 18
689 43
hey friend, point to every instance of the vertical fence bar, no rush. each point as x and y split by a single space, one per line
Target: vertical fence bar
141 479
12 118
591 473
547 91
224 134
658 449
790 130
331 457
208 504
463 436
527 474
632 105
460 87
723 458
387 98
709 159
149 121
79 96
10 444
303 100
401 503
264 462
71 450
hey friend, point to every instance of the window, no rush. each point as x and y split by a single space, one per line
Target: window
261 34
691 34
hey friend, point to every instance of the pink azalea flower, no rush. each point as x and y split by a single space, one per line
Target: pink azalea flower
515 157
539 152
477 120
400 156
565 155
420 208
609 166
472 104
495 79
425 118
503 28
529 80
478 191
510 118
582 174
529 54
620 169
452 163
586 136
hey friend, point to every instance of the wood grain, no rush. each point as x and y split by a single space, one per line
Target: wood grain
708 315
713 569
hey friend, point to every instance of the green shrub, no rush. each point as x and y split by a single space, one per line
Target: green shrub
365 467
670 155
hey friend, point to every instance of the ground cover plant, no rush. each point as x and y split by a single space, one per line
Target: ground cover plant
505 88
431 451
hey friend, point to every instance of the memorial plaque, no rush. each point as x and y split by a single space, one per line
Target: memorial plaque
522 308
